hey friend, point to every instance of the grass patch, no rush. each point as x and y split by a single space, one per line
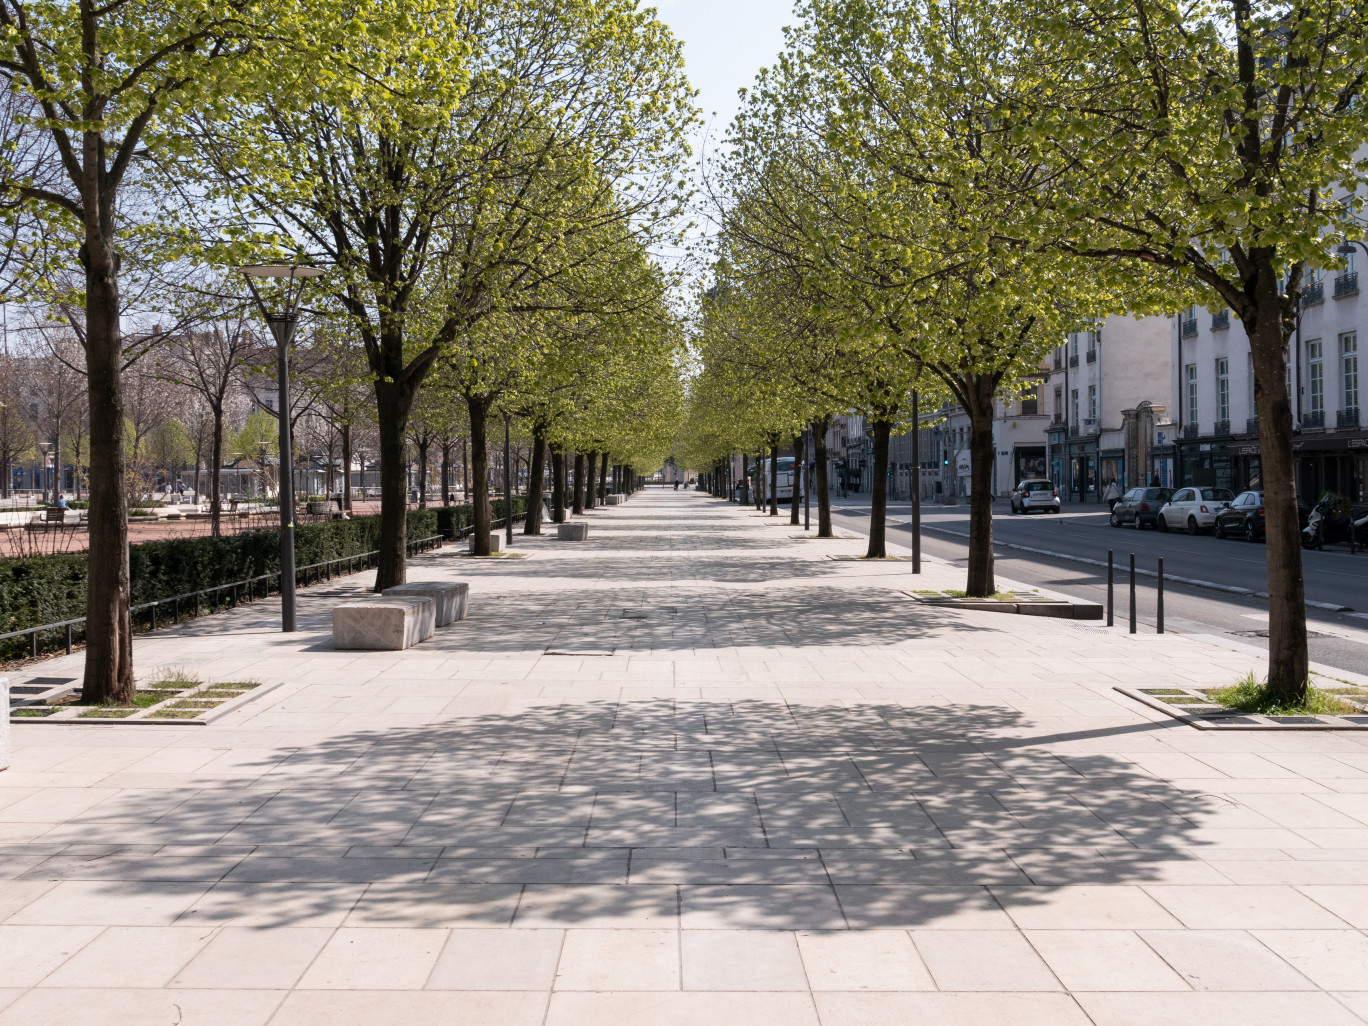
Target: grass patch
924 592
241 685
953 593
32 713
217 692
107 712
1163 691
174 677
1249 696
178 714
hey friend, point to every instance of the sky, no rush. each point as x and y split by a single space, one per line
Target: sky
725 43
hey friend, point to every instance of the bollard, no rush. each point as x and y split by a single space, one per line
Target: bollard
1111 598
1132 592
1160 597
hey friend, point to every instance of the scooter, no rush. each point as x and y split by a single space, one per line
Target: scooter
1326 524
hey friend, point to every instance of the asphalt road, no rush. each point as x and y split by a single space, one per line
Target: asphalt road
1062 543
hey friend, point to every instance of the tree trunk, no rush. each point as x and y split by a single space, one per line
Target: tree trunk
603 478
534 482
979 581
819 454
109 625
346 467
590 473
796 504
577 499
479 470
878 498
1288 669
446 472
215 477
392 403
558 485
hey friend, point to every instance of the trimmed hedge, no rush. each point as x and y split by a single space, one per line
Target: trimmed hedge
454 521
48 589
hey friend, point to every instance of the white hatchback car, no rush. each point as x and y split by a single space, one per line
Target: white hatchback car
1193 509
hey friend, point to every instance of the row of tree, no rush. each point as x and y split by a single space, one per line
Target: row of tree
484 182
923 196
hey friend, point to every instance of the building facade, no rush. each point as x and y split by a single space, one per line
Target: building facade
1213 393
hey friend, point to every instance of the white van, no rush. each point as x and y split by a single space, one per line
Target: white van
784 482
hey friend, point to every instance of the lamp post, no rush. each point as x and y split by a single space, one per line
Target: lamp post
508 490
44 449
282 324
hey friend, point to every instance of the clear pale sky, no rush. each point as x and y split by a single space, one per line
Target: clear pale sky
725 43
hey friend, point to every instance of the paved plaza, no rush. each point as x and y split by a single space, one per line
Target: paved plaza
691 771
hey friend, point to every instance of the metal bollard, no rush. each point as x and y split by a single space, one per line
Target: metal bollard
1132 592
68 639
1160 597
1111 598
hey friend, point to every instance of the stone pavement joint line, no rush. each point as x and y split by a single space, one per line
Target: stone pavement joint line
759 786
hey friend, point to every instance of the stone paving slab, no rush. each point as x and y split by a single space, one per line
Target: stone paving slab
689 770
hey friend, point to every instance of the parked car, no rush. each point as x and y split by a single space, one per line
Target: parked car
1140 507
1194 509
1244 517
1035 493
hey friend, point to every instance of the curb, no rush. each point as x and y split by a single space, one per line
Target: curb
1229 589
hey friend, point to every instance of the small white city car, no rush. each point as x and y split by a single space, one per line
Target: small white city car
1035 493
1194 509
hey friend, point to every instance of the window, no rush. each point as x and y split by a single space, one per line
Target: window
1059 405
1223 389
1073 344
1030 405
1092 402
1190 376
1349 370
1073 407
1316 373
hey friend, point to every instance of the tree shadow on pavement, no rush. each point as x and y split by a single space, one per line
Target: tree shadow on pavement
745 814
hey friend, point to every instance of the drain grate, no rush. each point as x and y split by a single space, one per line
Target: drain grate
1264 634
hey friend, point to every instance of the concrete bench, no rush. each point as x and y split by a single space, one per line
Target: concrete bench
385 623
451 599
614 499
572 532
496 542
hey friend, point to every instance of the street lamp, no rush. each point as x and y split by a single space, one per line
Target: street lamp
282 325
44 449
508 490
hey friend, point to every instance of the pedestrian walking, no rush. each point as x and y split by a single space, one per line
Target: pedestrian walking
1112 495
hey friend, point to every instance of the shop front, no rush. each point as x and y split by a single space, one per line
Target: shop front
1028 461
1323 464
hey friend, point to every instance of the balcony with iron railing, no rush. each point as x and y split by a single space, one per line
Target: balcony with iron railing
1347 417
1313 421
1189 327
1346 284
1092 355
1073 429
1221 427
1073 360
1313 293
1252 426
1190 430
1220 319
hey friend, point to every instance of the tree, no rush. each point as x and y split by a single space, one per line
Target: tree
1222 143
206 362
99 87
449 187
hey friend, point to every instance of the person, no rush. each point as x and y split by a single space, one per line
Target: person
1112 495
676 484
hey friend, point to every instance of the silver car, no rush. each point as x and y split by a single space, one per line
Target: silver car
1035 493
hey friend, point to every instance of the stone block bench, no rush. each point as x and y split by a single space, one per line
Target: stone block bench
386 623
614 499
572 532
496 542
450 599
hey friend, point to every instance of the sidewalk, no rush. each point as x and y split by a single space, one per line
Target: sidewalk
789 796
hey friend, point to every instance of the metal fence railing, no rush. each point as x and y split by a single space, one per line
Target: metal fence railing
235 589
